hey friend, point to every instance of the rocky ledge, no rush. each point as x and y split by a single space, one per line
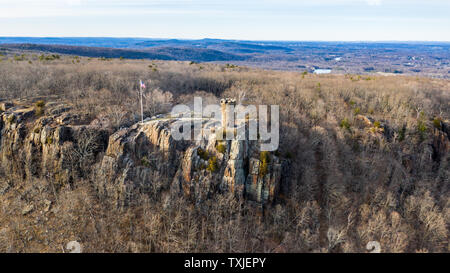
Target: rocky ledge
146 158
49 141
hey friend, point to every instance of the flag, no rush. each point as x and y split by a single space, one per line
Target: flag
142 85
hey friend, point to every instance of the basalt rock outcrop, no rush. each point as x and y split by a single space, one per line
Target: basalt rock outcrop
145 158
52 143
46 145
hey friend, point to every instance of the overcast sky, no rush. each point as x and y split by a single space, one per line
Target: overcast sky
331 20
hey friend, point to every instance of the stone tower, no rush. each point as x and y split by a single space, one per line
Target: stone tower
227 111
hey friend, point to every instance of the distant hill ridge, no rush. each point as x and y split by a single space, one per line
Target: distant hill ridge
157 53
408 58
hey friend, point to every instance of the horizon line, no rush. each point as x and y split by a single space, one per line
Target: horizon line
232 39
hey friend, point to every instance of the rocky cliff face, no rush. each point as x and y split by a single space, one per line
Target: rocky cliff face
51 142
50 146
145 158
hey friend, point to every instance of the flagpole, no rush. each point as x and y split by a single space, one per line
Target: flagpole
142 107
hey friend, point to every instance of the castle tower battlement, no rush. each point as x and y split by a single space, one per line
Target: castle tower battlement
227 112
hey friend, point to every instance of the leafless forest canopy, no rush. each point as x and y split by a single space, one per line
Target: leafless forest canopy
368 161
429 59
